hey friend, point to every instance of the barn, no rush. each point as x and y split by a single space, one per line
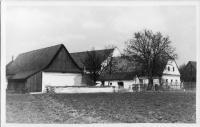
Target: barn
33 71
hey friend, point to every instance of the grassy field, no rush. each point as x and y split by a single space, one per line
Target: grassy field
151 107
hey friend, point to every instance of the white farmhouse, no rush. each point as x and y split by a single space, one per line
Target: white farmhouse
171 75
169 78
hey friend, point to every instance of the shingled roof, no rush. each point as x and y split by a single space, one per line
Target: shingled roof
29 63
79 57
119 76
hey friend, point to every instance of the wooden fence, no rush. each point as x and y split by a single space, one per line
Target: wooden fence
163 87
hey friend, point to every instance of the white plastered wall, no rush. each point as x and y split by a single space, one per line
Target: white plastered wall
60 79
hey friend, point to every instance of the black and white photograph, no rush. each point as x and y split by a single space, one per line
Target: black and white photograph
99 62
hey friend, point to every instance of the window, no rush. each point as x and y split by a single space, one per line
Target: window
173 68
166 80
111 84
171 80
121 84
168 68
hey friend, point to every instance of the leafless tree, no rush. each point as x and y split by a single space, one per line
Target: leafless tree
96 63
151 50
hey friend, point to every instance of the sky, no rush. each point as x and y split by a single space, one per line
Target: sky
80 28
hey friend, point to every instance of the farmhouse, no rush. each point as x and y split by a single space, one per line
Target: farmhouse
128 75
171 75
51 66
54 66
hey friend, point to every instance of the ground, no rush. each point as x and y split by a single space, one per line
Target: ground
159 107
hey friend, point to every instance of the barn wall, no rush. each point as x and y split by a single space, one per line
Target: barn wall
62 63
60 79
34 83
16 85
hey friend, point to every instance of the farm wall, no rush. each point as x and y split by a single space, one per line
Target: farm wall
127 83
84 89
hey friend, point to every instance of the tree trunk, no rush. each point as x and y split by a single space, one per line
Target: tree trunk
150 84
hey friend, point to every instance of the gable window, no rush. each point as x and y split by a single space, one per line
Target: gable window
173 68
168 68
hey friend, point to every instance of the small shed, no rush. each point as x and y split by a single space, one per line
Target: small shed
33 71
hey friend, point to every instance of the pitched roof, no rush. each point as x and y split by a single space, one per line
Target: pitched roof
79 57
121 64
118 76
26 64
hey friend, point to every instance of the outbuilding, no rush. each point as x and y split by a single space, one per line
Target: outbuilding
35 70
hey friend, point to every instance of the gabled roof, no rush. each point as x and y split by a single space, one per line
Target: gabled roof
121 64
29 63
79 57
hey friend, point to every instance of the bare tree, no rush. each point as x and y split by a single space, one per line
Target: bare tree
95 64
151 50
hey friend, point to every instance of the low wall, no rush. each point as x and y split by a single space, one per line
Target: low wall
84 89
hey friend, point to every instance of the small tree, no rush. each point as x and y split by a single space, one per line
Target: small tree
95 64
151 50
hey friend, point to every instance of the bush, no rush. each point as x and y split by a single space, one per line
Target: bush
50 89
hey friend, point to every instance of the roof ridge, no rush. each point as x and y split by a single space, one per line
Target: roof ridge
35 50
91 50
192 61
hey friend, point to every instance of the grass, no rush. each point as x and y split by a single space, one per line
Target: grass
150 107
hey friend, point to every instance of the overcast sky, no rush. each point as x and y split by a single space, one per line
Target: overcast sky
81 28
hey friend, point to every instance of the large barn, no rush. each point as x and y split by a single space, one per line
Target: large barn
33 71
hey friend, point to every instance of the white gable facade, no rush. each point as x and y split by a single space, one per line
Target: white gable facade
115 53
171 75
